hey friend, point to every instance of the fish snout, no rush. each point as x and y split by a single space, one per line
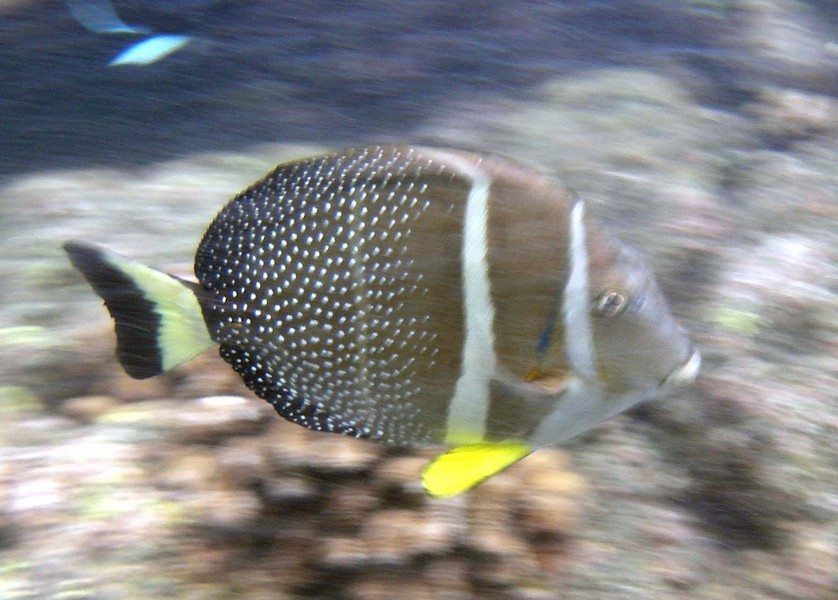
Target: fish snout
684 373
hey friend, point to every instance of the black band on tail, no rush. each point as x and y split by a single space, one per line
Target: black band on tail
137 323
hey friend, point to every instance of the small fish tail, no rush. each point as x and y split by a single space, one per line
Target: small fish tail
158 317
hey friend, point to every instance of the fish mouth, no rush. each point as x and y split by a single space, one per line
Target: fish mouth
685 373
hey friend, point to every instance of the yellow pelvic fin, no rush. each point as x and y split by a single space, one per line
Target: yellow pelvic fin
462 468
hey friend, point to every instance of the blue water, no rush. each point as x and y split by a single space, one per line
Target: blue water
331 71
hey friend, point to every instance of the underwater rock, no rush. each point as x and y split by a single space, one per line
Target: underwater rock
382 587
548 518
814 562
519 523
343 553
549 511
787 194
400 474
205 492
226 509
293 491
504 561
18 401
449 577
786 40
146 415
293 448
490 522
87 409
781 290
243 460
117 383
341 455
614 133
397 536
788 113
730 455
192 468
212 418
349 507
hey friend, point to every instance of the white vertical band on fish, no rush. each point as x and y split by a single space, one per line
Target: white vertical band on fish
579 343
470 405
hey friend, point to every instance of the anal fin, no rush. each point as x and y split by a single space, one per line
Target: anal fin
463 467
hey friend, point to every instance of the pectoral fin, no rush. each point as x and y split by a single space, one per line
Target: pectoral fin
462 468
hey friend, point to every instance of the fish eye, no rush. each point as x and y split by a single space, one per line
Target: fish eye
610 303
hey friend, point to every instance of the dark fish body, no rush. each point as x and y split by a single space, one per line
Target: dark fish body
414 296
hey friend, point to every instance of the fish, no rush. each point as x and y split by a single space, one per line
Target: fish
99 16
150 50
415 296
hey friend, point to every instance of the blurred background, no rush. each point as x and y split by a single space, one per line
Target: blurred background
703 132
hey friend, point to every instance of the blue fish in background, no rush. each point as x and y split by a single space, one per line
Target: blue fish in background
99 16
150 50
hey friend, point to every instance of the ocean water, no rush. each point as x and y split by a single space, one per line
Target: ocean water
704 133
337 72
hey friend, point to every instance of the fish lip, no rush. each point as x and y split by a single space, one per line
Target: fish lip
685 373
